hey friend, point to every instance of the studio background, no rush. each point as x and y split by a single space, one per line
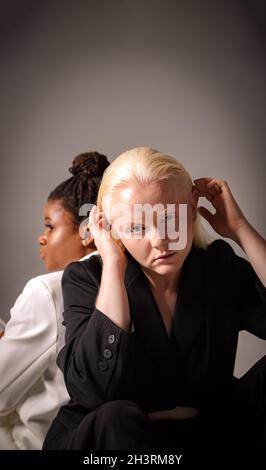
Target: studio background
185 77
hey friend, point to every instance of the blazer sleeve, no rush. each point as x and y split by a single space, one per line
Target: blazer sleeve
247 292
28 345
96 351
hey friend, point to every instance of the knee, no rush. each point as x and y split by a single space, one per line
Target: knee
119 410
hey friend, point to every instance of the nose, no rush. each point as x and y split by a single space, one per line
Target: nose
157 240
42 239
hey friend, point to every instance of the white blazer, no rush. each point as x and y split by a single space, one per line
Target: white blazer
32 387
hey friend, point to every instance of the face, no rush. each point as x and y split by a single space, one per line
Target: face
60 242
147 249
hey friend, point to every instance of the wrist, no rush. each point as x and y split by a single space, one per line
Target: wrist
115 267
241 229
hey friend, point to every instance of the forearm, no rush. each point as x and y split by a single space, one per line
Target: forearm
112 299
254 246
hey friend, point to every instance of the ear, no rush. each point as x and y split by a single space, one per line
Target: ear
85 234
194 197
87 242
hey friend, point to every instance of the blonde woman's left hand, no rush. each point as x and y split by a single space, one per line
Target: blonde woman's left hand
228 217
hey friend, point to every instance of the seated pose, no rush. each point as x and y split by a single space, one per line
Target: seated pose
32 387
152 320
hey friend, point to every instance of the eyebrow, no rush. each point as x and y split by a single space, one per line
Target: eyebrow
47 218
132 222
170 211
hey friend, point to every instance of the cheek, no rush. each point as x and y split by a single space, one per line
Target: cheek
190 229
67 236
128 244
190 223
59 244
137 248
56 239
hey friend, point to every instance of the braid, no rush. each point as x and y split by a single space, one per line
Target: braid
81 188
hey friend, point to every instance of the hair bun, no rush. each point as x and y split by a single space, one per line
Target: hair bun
89 164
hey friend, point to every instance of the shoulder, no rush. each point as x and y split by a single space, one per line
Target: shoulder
44 287
219 249
50 281
41 285
216 253
93 264
223 263
35 305
89 269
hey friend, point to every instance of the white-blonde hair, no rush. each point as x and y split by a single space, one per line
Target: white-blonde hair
147 165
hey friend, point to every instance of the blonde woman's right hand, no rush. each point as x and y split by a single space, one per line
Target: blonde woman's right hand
107 246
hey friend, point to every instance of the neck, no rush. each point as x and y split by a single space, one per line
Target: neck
161 282
89 249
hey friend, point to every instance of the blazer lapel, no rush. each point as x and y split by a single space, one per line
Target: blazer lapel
189 314
149 327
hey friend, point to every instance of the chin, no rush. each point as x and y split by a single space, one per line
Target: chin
166 269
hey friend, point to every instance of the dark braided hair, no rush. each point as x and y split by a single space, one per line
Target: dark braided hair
81 188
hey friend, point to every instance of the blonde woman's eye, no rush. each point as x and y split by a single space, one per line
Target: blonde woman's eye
49 226
169 216
136 228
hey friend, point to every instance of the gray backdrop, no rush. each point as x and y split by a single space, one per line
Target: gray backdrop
186 77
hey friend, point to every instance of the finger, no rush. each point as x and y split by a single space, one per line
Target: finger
104 223
98 222
210 194
95 216
222 185
203 180
203 183
93 223
205 190
92 215
209 182
102 216
215 186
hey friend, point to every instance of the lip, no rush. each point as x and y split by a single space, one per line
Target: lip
162 257
42 255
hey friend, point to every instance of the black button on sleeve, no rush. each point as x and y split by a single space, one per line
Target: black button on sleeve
103 365
107 354
111 339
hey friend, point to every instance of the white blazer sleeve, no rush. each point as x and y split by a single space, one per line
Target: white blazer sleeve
28 345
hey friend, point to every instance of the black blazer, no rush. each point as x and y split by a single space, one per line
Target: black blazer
219 295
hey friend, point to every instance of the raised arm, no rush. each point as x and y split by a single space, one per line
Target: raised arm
99 342
229 221
97 349
115 306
